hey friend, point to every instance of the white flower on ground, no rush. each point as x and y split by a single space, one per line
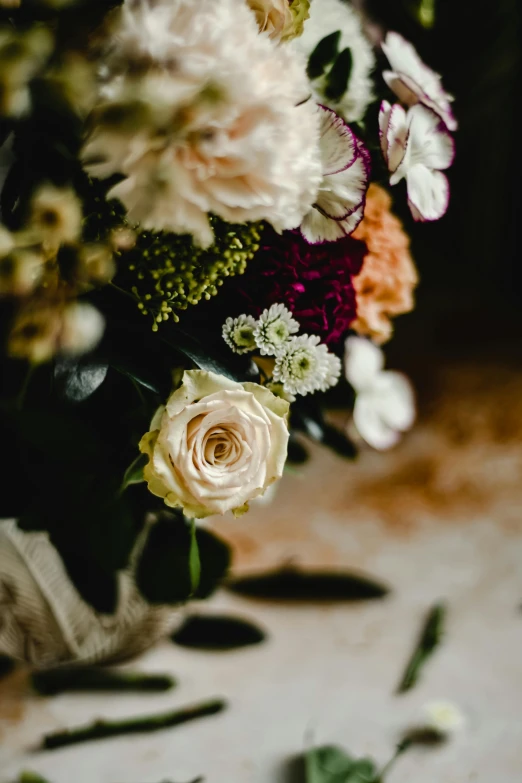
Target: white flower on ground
384 403
414 82
238 333
273 329
306 366
326 17
217 120
417 146
339 206
444 717
216 445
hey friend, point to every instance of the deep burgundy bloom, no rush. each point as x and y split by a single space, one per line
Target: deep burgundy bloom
313 281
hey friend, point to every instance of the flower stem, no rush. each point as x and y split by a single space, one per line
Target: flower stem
402 747
51 682
102 729
23 389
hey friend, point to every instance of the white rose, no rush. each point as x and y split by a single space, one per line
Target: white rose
216 445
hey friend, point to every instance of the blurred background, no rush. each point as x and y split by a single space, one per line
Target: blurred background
438 518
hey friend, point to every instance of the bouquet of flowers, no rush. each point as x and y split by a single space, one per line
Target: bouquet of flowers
197 244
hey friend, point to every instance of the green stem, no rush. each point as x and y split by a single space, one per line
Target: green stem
102 729
49 683
402 747
25 384
429 640
123 291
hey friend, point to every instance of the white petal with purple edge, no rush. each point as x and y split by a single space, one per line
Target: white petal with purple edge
316 228
396 136
428 193
350 223
337 142
342 193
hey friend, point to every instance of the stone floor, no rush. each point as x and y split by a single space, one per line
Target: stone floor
438 518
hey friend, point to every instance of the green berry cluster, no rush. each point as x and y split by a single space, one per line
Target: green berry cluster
168 272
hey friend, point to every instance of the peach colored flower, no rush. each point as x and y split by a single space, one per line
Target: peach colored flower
384 287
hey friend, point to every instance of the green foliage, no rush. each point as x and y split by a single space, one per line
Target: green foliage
331 764
323 55
291 584
430 638
217 632
339 76
307 417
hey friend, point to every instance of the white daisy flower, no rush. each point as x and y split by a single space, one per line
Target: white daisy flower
384 403
444 717
274 329
414 82
339 206
238 333
306 366
417 146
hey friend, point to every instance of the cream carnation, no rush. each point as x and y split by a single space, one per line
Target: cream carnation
326 17
216 445
202 114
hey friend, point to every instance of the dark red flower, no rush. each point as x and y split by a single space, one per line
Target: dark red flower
313 281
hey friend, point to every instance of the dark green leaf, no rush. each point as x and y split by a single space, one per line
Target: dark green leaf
289 584
323 54
307 417
297 454
134 473
331 764
164 573
92 678
429 640
96 586
76 380
215 557
339 76
6 666
31 777
217 632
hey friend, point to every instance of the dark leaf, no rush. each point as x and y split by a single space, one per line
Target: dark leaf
323 54
339 76
307 417
6 666
237 368
134 473
194 559
289 584
164 572
93 678
215 557
331 764
97 587
217 632
297 454
31 777
76 380
429 640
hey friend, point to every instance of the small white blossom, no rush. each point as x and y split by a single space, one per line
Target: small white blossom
414 82
444 717
82 330
306 366
238 333
384 402
274 329
417 146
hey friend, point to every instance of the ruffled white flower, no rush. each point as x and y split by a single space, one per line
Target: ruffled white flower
273 329
238 333
339 206
326 17
414 82
384 403
444 717
214 121
417 146
306 366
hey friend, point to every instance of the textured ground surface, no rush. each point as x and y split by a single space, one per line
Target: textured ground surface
439 518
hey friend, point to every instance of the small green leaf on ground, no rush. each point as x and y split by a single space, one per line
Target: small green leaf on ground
91 678
291 584
217 632
430 638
